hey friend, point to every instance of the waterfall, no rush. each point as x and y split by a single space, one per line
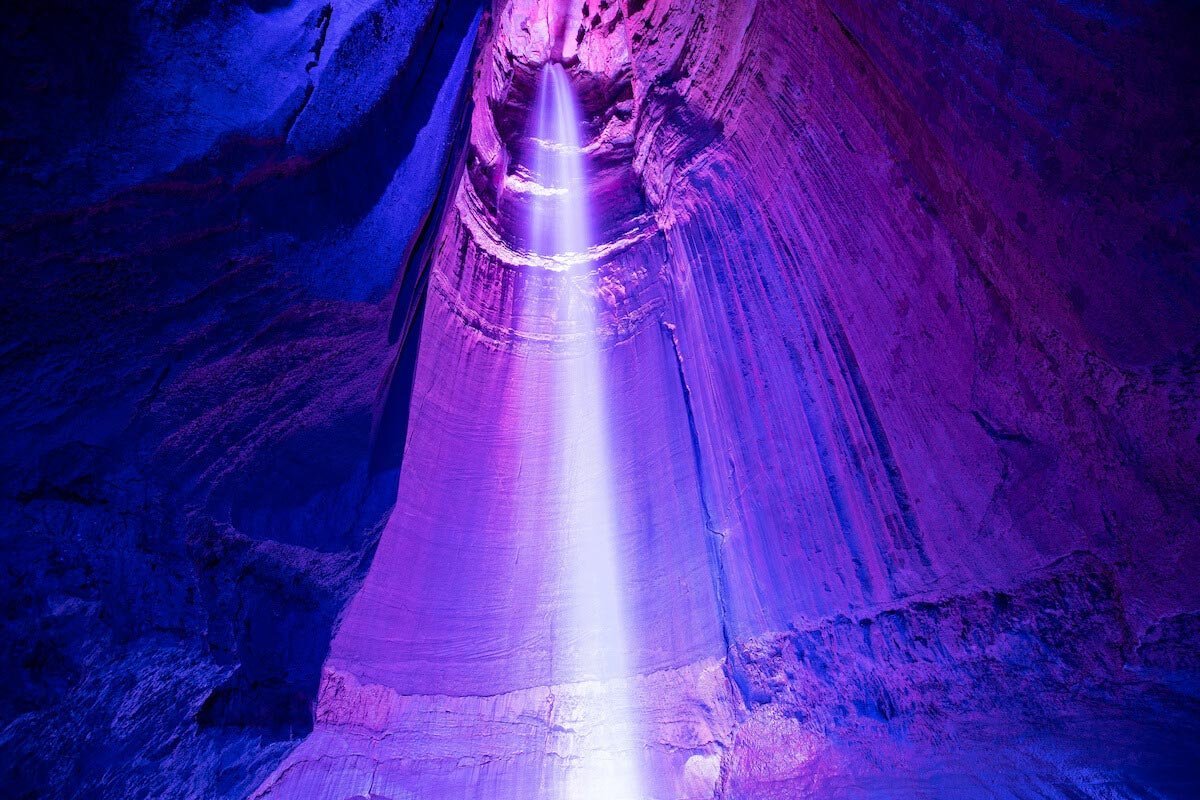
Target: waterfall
595 646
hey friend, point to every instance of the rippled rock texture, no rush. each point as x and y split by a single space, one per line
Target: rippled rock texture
896 309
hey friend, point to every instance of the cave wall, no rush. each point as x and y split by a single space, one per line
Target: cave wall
903 391
198 284
913 357
898 304
843 301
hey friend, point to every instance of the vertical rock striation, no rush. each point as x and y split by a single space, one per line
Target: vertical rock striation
869 426
896 310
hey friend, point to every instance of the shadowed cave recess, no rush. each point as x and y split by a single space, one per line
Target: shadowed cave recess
600 400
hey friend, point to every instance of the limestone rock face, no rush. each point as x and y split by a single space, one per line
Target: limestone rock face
894 317
197 289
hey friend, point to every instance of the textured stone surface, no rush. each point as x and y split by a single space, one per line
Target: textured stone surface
196 355
898 308
881 409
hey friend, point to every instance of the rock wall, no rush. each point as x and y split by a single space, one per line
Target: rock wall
946 413
850 381
898 314
198 282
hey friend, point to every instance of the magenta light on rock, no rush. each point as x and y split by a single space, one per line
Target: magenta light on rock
527 584
600 400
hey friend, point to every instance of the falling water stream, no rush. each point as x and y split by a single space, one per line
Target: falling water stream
595 647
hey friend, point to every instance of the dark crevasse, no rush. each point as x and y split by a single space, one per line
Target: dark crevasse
877 387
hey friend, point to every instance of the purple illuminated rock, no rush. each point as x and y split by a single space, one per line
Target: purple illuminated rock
897 306
877 422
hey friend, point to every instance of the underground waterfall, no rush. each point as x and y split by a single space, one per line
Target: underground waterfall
543 572
595 643
599 400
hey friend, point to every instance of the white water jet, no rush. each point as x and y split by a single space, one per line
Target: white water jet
603 752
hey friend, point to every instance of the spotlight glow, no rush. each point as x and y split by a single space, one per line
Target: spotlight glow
603 756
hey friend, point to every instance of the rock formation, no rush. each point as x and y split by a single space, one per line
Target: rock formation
882 357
